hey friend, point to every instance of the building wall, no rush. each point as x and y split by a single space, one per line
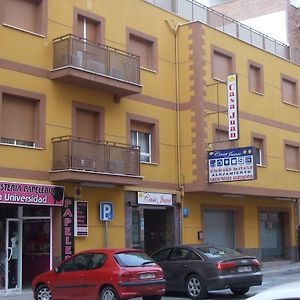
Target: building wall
293 32
258 113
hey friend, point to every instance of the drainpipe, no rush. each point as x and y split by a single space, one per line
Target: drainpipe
174 28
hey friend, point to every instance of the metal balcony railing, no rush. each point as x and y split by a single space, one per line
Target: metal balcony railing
74 153
77 52
193 11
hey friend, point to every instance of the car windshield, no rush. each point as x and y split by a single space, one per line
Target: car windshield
214 251
134 259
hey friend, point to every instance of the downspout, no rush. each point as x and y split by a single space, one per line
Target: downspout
174 29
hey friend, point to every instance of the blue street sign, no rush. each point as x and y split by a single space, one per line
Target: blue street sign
106 211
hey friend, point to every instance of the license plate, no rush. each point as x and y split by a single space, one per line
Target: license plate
244 269
147 276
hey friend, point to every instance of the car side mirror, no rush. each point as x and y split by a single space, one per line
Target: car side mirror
56 270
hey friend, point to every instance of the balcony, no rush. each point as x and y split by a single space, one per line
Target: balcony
81 160
191 10
81 62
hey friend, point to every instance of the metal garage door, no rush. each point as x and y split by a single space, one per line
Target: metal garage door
219 228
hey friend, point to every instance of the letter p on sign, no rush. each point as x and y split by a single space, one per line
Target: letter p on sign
106 211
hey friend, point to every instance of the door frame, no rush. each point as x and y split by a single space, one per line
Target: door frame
8 255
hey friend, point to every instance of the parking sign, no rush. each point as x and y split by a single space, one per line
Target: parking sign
106 211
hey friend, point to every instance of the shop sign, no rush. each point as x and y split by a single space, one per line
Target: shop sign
31 194
155 199
67 228
233 117
237 164
81 218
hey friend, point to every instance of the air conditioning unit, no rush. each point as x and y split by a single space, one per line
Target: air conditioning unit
78 60
95 66
118 73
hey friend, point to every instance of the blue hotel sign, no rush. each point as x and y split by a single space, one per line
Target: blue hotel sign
237 164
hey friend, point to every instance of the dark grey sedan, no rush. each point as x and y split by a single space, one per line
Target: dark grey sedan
196 269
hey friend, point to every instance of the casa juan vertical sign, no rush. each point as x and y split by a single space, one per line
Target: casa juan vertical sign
233 112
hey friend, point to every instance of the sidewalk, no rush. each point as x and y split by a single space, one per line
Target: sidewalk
274 267
268 268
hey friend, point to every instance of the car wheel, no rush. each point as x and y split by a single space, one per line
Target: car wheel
109 293
195 287
43 293
152 298
240 291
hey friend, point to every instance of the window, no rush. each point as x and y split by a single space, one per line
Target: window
87 29
27 110
88 121
143 132
259 143
222 64
89 26
289 90
28 15
292 156
145 47
163 254
86 125
143 140
220 138
181 254
256 82
87 261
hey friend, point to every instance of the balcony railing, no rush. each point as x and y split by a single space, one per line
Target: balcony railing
194 11
114 69
78 154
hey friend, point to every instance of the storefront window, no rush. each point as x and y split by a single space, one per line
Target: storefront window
137 229
36 211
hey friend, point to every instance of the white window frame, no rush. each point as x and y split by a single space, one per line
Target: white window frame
143 154
260 157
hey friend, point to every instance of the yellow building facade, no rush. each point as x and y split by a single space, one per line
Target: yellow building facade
106 123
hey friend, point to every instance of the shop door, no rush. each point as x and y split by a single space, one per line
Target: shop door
219 228
271 235
13 263
155 229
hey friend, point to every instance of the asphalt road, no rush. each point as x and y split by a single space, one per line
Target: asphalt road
269 280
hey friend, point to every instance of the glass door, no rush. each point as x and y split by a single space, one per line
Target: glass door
13 265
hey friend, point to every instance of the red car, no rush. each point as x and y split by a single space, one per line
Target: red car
105 274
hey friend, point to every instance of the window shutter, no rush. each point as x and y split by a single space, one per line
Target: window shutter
86 126
18 118
292 156
222 66
22 14
289 91
142 48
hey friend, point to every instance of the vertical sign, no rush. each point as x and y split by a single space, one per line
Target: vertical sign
232 98
81 218
67 228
